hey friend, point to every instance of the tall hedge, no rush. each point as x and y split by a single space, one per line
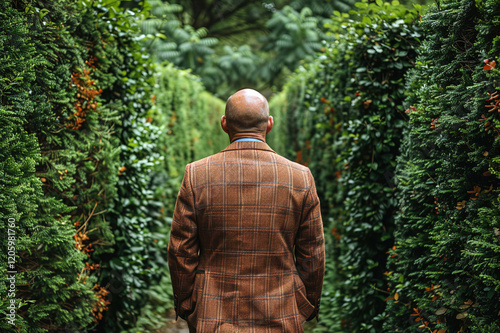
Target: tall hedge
344 115
189 119
445 267
57 108
80 152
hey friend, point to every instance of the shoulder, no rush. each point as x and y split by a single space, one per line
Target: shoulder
302 175
300 171
294 165
298 168
204 161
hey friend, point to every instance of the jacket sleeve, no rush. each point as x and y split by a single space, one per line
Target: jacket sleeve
183 247
310 247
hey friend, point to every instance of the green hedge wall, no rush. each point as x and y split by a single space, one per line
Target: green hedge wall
445 267
189 117
344 115
354 127
55 105
82 147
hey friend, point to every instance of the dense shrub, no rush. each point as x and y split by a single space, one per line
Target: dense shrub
445 265
345 118
80 157
74 149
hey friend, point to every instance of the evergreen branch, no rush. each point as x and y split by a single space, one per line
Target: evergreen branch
85 223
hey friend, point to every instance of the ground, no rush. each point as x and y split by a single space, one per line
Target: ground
181 326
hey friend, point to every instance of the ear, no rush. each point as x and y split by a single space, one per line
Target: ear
270 123
223 124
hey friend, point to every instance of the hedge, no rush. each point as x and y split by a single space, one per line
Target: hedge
354 128
81 156
54 289
345 117
94 138
445 266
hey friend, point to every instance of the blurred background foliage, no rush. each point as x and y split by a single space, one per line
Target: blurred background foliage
236 44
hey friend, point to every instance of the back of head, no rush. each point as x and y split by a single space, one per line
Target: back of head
247 111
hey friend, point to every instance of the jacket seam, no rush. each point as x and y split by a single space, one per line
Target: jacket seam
191 190
306 196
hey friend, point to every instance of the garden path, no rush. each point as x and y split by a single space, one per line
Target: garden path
172 326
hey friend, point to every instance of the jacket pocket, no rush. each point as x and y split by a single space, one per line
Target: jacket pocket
305 307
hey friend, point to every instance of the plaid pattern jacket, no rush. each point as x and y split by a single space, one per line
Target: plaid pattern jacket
246 250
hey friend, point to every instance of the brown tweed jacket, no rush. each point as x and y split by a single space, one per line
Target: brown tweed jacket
246 250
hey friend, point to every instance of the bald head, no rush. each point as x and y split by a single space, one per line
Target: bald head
247 111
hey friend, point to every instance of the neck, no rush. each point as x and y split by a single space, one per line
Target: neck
258 136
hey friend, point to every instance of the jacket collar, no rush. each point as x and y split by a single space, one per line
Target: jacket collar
248 145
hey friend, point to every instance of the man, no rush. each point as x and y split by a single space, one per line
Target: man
246 251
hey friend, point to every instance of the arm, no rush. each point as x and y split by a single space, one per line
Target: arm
183 247
310 247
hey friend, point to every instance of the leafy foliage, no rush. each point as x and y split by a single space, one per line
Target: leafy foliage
225 18
293 36
322 8
40 111
347 110
445 264
188 118
232 67
215 39
180 44
93 147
